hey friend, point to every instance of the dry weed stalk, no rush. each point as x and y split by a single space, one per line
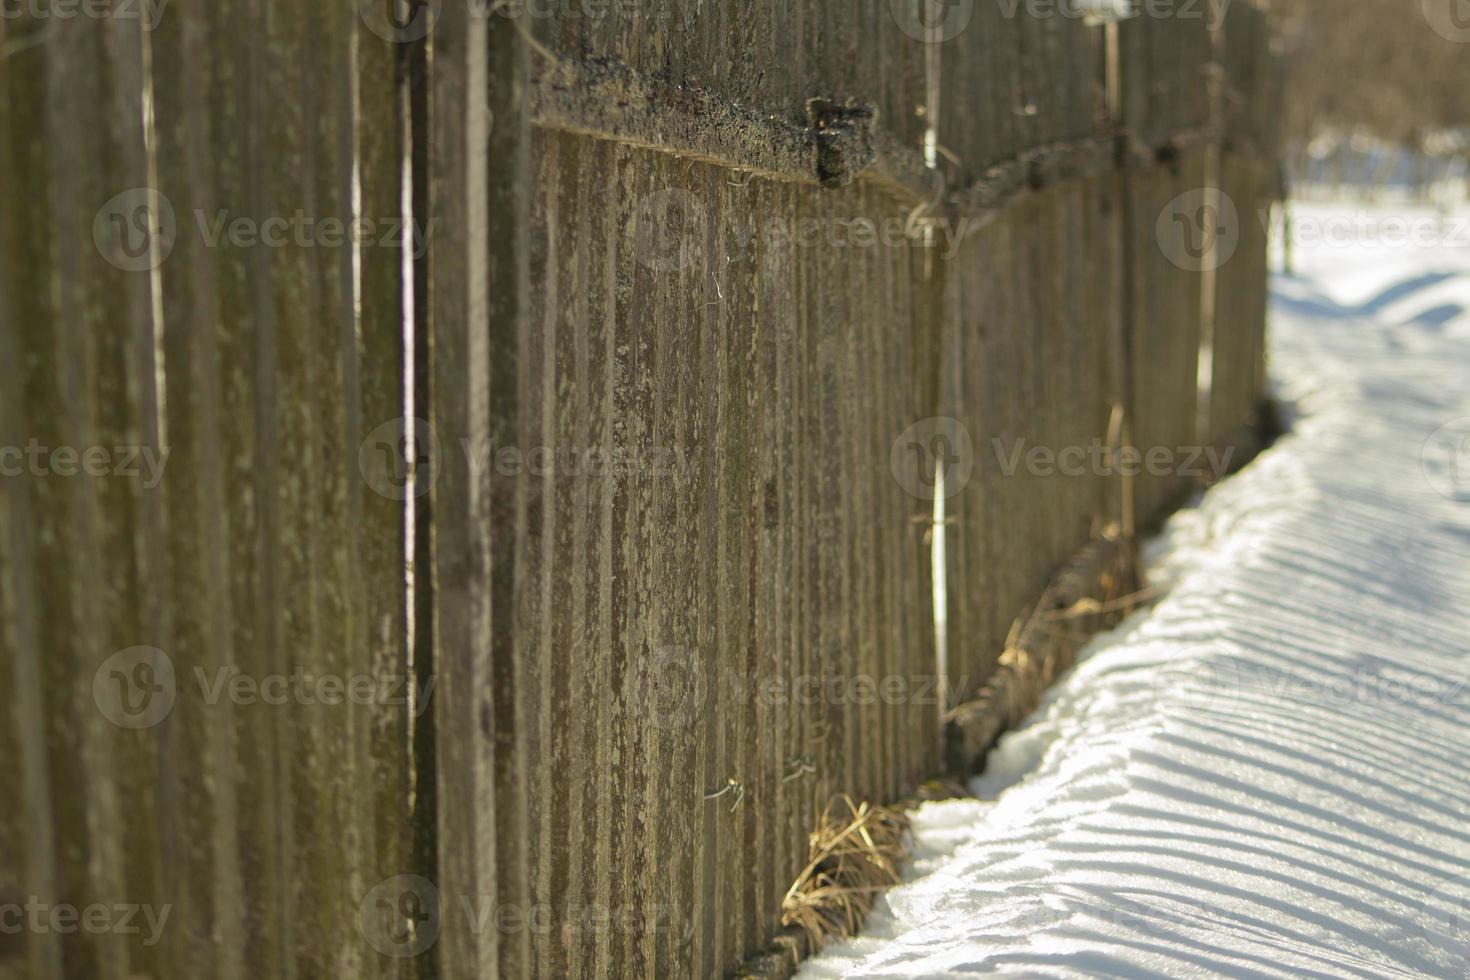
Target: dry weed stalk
856 852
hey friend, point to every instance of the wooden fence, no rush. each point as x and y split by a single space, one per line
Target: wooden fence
469 475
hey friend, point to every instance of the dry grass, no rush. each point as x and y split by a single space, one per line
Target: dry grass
1043 648
856 852
1044 644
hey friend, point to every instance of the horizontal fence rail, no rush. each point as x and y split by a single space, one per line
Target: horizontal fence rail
478 483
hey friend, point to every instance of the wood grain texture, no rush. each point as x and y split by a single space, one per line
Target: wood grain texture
663 572
240 368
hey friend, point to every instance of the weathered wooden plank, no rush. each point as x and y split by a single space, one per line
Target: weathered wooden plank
393 743
1238 350
96 314
30 833
736 51
206 874
480 288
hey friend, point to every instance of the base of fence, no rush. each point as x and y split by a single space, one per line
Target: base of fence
1100 586
1095 590
1249 440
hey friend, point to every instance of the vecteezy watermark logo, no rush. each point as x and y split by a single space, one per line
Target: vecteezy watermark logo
1103 11
1218 673
135 230
135 688
1351 229
400 21
1446 459
1450 19
1102 460
668 230
400 458
148 12
1199 230
403 917
933 457
1196 677
932 20
399 917
301 230
62 918
667 686
142 463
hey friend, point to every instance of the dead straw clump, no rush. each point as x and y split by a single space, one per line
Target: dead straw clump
855 853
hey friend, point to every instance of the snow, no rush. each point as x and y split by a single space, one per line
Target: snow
1266 774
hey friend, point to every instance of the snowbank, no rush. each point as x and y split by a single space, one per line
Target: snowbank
1269 773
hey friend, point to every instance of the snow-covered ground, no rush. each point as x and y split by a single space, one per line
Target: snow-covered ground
1268 774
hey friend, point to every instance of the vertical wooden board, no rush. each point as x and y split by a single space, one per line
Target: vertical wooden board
844 74
872 609
983 540
1135 52
1240 310
1229 337
1089 81
714 285
967 122
575 917
781 26
775 568
28 828
289 306
100 326
1047 410
479 290
924 290
1166 415
297 61
1190 319
315 313
1148 338
992 378
716 904
392 745
751 618
205 874
734 51
901 76
540 740
1072 372
1105 269
225 378
1011 525
834 425
745 867
1029 414
1141 249
1256 316
965 561
1056 78
25 850
677 603
616 758
574 428
144 608
838 333
647 656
